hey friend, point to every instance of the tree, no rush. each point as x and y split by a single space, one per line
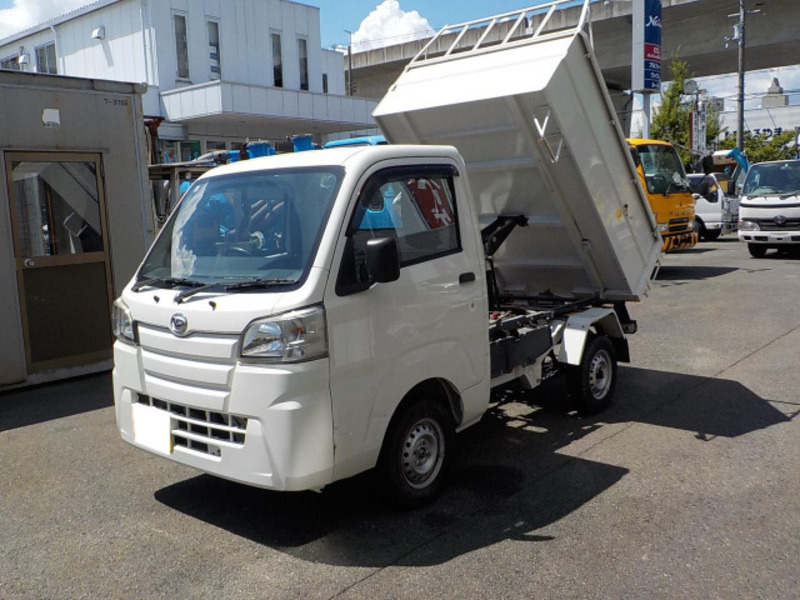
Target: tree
671 117
763 147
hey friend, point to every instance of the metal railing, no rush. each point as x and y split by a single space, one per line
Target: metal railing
501 31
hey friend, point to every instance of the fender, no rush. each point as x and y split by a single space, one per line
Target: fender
576 330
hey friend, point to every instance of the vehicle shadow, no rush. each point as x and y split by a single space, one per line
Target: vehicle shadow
693 250
689 273
48 401
509 480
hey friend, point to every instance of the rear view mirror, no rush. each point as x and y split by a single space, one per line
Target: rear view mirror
383 262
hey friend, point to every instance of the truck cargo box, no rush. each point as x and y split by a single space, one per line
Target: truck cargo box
530 113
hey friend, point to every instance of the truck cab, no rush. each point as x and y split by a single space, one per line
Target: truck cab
769 207
716 213
663 178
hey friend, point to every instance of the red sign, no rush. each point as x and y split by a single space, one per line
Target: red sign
652 52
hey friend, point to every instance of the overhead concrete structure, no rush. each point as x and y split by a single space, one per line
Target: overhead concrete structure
697 27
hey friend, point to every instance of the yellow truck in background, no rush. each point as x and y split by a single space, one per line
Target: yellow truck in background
664 181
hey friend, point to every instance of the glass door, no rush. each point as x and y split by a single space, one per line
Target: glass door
61 253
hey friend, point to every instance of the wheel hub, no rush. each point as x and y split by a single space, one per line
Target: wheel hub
422 453
600 374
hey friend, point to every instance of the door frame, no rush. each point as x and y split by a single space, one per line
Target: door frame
11 157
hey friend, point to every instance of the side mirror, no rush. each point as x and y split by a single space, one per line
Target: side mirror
696 197
383 261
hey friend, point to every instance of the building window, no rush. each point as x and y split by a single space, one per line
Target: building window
46 59
302 52
214 56
189 150
182 46
10 64
324 83
277 60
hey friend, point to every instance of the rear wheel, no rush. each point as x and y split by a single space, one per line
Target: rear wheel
711 235
417 452
591 384
757 250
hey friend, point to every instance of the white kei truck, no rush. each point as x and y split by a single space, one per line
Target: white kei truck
306 317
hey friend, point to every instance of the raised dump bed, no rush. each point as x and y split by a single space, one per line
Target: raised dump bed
527 108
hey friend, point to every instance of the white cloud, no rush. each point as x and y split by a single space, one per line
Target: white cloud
389 24
27 13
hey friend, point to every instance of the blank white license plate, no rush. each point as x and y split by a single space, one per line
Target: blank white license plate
151 428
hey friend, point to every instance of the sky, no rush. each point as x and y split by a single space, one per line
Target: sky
376 23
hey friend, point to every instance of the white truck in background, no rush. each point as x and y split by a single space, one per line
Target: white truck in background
769 214
716 213
306 317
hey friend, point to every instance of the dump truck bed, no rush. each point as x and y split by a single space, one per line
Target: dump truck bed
529 112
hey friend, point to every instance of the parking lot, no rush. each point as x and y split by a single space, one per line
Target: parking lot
687 487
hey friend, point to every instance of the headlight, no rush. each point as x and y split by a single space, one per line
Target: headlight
295 336
122 323
746 225
662 227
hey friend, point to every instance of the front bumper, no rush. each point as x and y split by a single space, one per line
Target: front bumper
772 238
722 226
678 241
269 426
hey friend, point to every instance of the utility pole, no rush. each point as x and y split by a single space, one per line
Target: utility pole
349 63
740 106
739 35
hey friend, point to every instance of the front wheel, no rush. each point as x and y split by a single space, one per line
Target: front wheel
700 229
757 250
591 384
416 453
711 234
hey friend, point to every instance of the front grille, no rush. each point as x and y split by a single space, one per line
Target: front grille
771 225
678 224
198 429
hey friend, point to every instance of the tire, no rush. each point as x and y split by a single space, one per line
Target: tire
592 383
416 453
701 230
757 250
711 235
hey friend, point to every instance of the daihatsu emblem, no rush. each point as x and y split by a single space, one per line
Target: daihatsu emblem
779 220
178 324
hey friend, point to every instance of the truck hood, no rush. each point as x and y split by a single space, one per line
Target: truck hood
220 312
776 201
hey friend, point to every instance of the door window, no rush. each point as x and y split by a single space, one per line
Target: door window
414 206
57 208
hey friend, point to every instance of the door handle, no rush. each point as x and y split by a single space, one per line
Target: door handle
29 262
466 278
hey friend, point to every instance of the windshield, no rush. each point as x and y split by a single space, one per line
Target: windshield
663 171
255 226
779 178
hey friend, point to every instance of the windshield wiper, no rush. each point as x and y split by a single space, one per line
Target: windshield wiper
788 194
246 284
169 282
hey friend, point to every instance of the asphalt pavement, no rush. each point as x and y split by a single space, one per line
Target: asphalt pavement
687 487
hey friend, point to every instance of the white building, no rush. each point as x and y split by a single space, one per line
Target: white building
773 117
218 71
